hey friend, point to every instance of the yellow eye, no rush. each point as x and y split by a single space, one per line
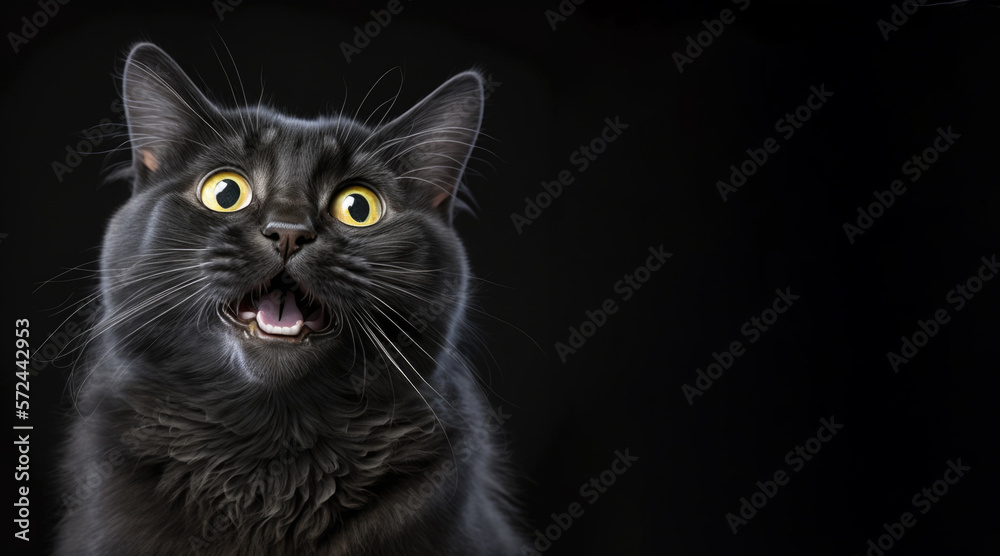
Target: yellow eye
356 206
226 191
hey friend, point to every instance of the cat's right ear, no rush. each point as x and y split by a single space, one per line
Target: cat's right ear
163 107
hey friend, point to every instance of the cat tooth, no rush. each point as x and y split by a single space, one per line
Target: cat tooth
248 315
293 330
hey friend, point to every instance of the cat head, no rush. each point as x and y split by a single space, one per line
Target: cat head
269 248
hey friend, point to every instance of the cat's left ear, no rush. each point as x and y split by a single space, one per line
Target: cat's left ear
435 138
164 108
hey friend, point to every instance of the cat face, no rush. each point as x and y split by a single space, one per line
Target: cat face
268 248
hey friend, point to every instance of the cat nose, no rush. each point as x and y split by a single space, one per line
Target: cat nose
288 237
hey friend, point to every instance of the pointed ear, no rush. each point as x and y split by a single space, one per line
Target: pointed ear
433 140
163 107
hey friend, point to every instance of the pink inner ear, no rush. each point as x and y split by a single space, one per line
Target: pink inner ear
149 159
439 197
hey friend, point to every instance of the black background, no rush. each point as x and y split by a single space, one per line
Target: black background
654 185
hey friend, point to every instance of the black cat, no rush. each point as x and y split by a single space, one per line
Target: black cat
276 365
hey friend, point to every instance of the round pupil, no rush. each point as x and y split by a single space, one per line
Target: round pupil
357 206
227 193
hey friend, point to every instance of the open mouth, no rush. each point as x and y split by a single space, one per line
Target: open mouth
280 309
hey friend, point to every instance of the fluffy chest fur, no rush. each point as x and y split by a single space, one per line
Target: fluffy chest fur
275 481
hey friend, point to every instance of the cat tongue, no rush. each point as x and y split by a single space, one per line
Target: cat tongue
290 321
